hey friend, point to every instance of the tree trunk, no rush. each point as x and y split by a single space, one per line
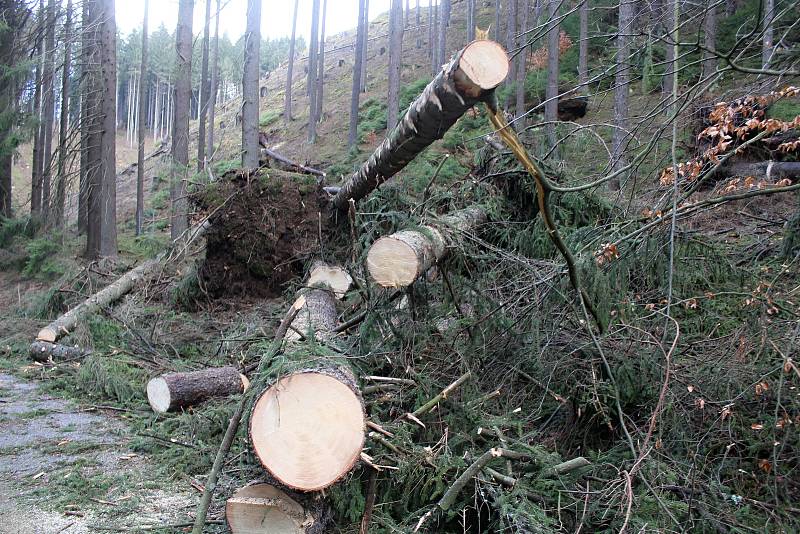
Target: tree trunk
311 84
144 75
450 94
511 40
419 26
621 88
470 21
42 352
173 391
395 58
670 62
252 62
265 509
444 23
498 9
36 166
205 89
583 44
522 57
769 32
772 170
709 66
324 401
355 92
365 44
321 61
435 62
180 119
399 259
86 72
61 175
48 111
214 87
287 98
551 92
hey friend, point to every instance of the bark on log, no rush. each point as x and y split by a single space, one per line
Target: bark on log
42 351
265 509
307 428
772 170
399 259
172 391
470 77
285 162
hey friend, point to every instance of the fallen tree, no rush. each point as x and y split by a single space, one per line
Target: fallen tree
307 427
173 391
470 77
399 259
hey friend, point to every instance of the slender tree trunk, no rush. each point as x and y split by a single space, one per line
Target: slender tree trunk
395 55
142 102
287 98
709 40
583 44
419 27
621 88
433 44
205 89
551 93
405 15
85 121
64 121
252 45
36 171
470 20
511 33
670 63
444 22
48 111
352 136
365 44
522 59
321 61
498 9
180 118
212 98
311 84
769 32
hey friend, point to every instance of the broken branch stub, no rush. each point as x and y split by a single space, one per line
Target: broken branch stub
470 77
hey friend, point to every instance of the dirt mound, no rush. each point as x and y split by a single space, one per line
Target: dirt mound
262 228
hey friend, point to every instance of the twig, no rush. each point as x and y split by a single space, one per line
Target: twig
441 396
370 504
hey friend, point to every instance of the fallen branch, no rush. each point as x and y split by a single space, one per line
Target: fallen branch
285 162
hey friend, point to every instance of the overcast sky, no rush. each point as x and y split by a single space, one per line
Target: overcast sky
276 16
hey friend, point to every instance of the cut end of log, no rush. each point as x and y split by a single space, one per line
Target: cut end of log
335 278
158 395
392 262
47 334
264 509
485 63
307 430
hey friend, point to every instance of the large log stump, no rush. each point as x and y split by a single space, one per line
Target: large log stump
172 391
399 259
471 76
307 427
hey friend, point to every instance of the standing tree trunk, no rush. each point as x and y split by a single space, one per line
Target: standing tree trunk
86 99
252 62
522 59
431 53
470 20
48 110
287 97
352 136
36 167
61 175
769 31
498 9
205 89
405 15
511 33
709 41
670 62
212 98
311 84
101 239
583 44
321 61
435 63
365 44
444 22
621 87
180 119
419 28
142 103
551 92
395 55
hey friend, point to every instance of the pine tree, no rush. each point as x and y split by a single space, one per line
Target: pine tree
395 55
356 90
252 63
213 87
143 77
287 98
180 119
61 174
551 92
311 84
205 89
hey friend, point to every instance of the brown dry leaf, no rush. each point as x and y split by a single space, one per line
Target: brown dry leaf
765 465
757 426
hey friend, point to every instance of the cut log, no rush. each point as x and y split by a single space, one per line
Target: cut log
172 391
772 170
334 277
307 428
284 162
399 259
42 351
470 77
264 509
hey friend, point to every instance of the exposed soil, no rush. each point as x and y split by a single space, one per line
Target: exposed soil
262 228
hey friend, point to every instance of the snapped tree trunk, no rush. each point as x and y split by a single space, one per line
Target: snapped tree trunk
399 259
307 427
469 78
252 45
287 97
173 391
142 125
180 118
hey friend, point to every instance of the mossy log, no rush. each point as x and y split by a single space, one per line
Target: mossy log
42 351
173 391
470 77
266 509
399 259
307 427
